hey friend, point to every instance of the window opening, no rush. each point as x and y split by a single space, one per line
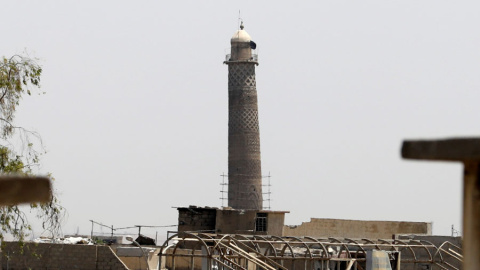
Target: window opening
261 222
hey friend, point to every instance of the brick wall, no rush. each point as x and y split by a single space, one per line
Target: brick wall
59 256
322 227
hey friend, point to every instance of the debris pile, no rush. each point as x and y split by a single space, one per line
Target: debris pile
67 240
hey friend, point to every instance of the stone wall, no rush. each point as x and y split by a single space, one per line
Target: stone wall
343 228
59 256
196 219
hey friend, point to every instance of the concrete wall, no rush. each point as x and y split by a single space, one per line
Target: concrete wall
182 263
228 221
276 221
343 228
134 258
243 222
59 256
236 221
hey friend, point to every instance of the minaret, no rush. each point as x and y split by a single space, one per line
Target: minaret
244 166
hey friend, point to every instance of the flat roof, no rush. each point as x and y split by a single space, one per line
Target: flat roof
230 209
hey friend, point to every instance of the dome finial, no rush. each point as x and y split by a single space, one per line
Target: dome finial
241 25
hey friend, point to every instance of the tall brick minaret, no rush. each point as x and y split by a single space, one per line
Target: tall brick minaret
244 166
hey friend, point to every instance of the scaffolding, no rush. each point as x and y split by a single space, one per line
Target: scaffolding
224 190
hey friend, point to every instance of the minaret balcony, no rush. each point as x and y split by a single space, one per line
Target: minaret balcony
253 58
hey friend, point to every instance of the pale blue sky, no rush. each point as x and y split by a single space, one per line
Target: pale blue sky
135 115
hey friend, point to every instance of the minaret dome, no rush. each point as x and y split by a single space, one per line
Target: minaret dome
242 45
241 36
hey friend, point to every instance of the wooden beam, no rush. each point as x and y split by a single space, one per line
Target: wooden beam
24 189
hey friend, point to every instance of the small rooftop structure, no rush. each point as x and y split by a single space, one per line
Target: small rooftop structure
229 220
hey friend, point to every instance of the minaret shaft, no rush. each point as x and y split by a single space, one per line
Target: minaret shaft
244 165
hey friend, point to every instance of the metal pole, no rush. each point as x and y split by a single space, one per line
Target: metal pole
143 252
91 233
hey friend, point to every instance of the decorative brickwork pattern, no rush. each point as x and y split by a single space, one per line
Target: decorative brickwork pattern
59 256
241 76
243 121
244 164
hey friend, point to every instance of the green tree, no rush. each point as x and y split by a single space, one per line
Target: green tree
20 149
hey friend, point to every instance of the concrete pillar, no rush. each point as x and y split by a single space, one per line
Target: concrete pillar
465 150
471 215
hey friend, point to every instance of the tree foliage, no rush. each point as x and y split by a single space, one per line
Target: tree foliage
20 148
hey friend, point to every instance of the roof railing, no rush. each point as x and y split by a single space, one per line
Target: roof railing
253 58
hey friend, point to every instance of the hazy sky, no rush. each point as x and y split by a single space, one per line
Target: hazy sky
135 116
